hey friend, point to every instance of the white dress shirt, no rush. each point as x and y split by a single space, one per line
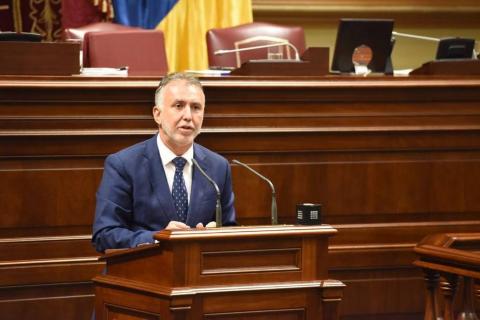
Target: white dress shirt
167 156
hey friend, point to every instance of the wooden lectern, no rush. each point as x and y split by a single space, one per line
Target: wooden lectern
263 272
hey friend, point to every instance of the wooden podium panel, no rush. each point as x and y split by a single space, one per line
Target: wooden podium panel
262 272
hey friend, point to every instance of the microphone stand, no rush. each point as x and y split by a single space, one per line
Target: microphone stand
274 201
218 206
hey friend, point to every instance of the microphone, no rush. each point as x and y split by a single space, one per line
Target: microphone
297 55
414 36
274 202
218 206
448 48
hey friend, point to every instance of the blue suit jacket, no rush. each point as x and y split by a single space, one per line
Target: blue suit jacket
134 200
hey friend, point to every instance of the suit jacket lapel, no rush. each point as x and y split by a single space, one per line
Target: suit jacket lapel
158 180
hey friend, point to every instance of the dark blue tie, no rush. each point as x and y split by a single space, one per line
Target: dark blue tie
179 190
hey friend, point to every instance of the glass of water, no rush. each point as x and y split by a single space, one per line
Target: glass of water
275 53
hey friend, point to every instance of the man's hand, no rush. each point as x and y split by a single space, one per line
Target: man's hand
211 224
176 225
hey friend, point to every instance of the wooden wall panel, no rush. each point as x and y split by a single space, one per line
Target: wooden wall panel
376 195
38 197
61 301
390 159
409 3
407 12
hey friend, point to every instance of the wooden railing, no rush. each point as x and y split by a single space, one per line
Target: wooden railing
448 260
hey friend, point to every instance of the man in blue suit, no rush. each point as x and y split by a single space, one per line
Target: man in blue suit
154 185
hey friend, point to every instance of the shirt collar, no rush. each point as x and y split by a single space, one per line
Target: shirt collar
167 155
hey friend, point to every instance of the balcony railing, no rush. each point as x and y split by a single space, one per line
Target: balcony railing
448 260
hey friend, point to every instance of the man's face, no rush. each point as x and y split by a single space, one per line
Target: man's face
179 115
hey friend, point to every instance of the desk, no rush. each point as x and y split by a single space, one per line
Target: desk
391 160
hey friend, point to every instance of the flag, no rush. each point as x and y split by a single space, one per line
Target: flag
141 13
187 23
184 23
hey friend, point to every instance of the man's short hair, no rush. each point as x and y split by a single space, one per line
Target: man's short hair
188 77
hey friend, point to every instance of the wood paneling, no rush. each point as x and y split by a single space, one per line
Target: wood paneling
49 301
404 11
390 159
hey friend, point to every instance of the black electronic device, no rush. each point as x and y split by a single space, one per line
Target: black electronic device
455 48
309 213
374 35
20 36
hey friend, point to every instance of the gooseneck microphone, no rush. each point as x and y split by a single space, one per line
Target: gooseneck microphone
414 36
274 202
218 206
278 44
448 48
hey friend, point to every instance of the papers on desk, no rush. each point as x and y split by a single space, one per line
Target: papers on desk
104 72
210 72
402 72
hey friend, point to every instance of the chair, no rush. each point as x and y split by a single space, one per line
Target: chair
77 34
250 35
142 51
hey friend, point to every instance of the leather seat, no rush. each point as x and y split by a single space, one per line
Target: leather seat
142 51
250 35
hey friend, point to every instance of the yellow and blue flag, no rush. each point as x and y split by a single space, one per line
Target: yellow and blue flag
184 23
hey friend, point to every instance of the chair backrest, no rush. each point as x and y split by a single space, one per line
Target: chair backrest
142 51
250 35
77 34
